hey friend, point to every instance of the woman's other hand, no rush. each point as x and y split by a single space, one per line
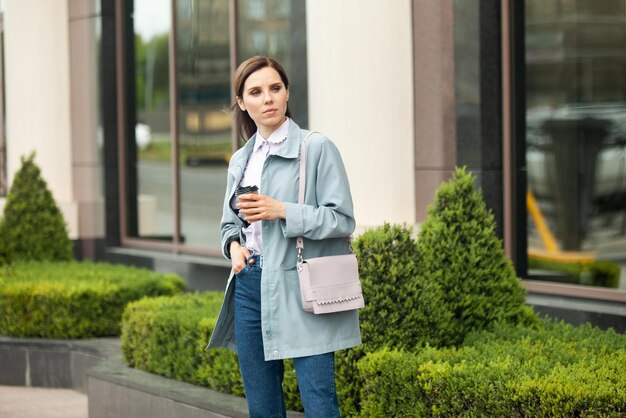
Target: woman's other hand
238 256
257 207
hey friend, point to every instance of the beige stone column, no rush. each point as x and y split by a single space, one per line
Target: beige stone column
434 92
360 70
37 91
86 134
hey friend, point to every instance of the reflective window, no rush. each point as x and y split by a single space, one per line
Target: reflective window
203 64
576 140
203 141
277 28
149 174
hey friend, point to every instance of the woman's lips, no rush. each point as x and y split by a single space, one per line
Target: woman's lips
270 111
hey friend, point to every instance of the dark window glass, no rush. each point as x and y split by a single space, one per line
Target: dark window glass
149 174
576 139
202 59
277 28
203 64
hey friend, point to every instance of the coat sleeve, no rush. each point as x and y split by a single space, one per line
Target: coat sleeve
332 216
229 225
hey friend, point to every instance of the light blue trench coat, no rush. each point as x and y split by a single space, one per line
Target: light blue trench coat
324 220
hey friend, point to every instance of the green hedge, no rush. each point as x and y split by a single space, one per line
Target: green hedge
73 300
453 280
548 370
168 336
402 309
554 370
420 298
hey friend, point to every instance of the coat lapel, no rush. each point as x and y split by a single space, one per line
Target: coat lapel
291 149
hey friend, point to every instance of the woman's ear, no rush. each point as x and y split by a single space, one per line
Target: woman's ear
240 103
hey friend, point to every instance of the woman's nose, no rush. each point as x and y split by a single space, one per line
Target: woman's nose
268 97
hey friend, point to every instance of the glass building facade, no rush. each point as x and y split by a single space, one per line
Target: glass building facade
573 91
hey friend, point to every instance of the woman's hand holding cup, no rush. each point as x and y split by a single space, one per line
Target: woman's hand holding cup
257 207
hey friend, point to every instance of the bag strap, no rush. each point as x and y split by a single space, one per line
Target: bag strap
300 239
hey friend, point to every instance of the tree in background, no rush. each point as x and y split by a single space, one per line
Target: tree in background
32 227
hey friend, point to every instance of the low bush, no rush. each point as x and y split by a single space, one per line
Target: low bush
402 310
168 336
421 297
554 370
454 280
73 300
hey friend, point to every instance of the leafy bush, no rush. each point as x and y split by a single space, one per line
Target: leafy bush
168 336
460 252
32 227
553 370
402 310
595 273
454 280
73 300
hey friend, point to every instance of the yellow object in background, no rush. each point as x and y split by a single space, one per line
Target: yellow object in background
551 251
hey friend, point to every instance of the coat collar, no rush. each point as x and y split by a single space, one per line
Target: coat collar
291 149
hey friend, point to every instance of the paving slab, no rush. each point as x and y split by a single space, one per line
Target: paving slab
30 402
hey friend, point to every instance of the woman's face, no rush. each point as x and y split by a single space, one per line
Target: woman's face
265 99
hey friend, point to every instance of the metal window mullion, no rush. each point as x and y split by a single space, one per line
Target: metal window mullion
121 114
232 8
3 177
507 186
174 128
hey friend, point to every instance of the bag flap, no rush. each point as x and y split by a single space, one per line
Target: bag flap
332 270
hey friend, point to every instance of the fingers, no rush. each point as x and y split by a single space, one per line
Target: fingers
260 207
239 258
238 264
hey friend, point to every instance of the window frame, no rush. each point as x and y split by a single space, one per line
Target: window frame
514 121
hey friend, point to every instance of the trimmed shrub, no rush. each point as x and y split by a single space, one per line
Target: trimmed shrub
32 227
73 300
460 252
168 336
555 370
402 310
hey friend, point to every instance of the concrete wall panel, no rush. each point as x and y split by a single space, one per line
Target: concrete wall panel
361 96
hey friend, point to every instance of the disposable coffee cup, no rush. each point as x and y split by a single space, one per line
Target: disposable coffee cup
246 189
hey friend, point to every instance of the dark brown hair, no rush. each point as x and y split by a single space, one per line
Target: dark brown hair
244 125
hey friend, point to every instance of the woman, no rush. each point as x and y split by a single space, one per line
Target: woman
262 316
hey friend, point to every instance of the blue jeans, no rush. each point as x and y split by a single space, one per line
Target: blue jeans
262 380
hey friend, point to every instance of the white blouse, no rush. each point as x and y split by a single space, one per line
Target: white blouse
252 176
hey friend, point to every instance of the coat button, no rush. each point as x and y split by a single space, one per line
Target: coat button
275 352
268 333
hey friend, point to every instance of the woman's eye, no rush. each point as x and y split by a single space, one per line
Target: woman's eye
276 88
254 93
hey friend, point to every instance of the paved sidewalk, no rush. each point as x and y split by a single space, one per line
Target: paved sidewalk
27 402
